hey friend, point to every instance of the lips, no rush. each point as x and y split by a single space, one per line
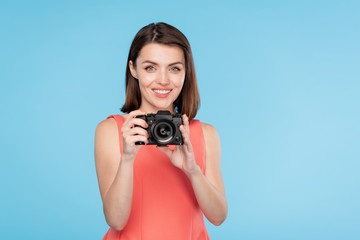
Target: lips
162 93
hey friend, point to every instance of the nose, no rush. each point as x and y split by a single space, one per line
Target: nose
163 77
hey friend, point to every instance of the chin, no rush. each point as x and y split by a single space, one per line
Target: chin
163 106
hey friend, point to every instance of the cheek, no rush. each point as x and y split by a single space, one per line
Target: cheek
143 85
145 80
178 80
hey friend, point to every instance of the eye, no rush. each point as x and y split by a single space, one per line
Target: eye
175 69
149 68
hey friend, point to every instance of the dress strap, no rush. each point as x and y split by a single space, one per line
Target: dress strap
119 121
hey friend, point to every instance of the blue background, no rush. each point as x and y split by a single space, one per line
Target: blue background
278 79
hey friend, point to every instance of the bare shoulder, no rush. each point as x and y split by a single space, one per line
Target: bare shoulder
209 131
212 142
213 156
107 153
106 124
106 138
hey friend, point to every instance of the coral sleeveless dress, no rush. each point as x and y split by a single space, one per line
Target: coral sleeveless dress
164 206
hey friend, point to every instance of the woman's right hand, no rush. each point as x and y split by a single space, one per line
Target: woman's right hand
132 134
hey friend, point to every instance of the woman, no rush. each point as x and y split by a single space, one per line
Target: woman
152 192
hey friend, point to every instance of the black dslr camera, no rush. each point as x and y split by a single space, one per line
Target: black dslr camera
163 128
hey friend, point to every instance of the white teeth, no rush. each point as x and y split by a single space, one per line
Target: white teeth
162 91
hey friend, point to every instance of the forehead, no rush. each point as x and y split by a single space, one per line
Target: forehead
161 53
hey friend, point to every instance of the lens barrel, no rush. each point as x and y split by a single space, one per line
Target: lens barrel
163 131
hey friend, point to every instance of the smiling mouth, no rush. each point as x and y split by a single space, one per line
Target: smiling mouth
162 91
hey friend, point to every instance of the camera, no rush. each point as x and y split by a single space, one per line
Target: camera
163 128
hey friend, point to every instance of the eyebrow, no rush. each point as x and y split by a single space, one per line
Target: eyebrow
154 63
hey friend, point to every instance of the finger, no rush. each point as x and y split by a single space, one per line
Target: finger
187 128
186 122
134 114
183 131
165 150
126 128
186 138
134 121
136 138
136 131
137 121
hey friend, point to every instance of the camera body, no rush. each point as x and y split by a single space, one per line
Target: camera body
163 128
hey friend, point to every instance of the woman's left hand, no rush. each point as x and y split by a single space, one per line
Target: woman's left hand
183 155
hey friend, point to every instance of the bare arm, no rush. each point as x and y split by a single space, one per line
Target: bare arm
115 170
209 188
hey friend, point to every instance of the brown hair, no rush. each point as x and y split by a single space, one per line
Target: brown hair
188 100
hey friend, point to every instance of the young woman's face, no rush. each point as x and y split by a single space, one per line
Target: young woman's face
160 70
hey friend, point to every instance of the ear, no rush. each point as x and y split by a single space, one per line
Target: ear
132 69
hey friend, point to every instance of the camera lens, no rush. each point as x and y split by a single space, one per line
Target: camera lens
163 132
